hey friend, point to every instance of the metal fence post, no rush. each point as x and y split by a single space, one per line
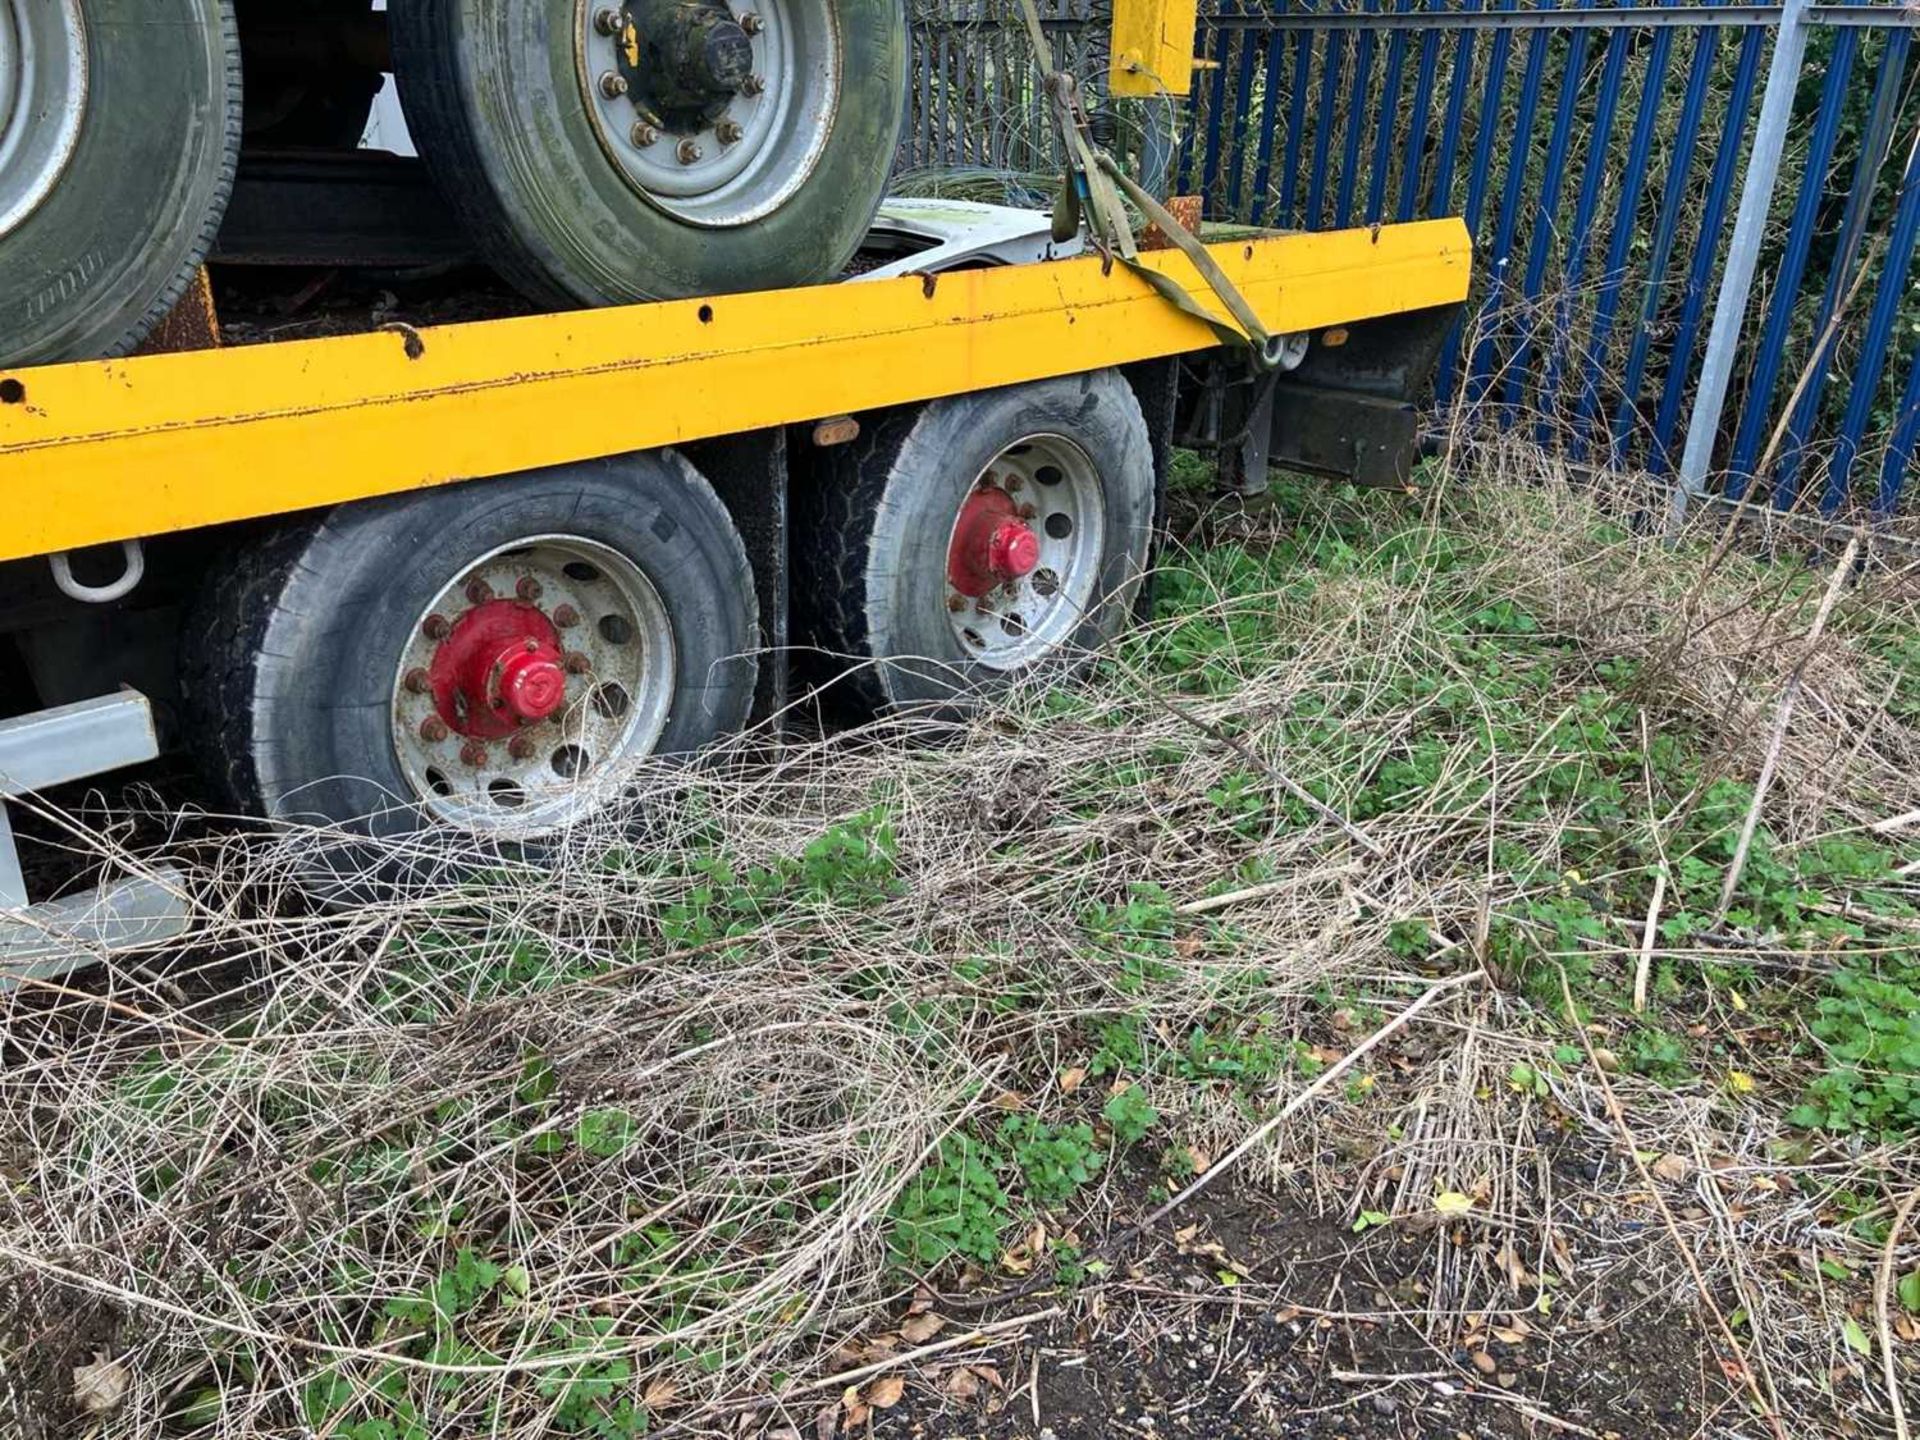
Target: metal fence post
1743 254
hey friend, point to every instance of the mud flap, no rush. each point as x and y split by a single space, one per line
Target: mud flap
1350 411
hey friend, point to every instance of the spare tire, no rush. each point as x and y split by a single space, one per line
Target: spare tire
601 153
119 126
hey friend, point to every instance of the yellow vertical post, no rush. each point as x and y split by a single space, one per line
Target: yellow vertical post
1153 46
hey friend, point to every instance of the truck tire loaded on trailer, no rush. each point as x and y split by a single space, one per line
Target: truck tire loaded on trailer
592 153
441 590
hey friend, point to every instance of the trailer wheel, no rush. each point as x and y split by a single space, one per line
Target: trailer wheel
492 655
119 126
602 153
963 544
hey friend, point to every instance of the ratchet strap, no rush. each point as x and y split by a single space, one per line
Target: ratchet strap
1093 189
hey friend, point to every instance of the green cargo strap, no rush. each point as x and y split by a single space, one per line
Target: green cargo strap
1095 183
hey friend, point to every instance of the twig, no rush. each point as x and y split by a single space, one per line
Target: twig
1883 1308
937 1347
1789 697
1644 967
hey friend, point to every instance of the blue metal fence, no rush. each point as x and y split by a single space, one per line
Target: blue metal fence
1598 153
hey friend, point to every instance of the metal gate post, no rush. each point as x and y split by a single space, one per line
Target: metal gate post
1743 254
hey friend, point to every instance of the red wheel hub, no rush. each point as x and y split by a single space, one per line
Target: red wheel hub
992 545
500 669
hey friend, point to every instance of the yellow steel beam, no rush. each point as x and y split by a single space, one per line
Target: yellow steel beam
1153 47
120 449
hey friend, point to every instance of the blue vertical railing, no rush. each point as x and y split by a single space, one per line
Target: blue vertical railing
1595 148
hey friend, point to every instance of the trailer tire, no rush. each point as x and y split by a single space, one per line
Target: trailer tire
298 664
542 168
896 536
119 143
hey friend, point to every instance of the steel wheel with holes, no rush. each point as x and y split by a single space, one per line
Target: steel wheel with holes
604 152
494 656
119 127
962 544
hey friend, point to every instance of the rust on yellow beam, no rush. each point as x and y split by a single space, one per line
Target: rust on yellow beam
110 450
1153 44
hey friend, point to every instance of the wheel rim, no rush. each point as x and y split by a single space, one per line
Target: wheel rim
529 683
716 116
1026 551
43 99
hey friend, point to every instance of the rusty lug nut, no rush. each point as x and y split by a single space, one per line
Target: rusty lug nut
752 23
529 589
473 753
754 85
613 86
644 134
1027 512
578 664
956 603
436 627
729 132
479 592
1013 484
566 617
607 22
689 152
521 747
433 730
418 682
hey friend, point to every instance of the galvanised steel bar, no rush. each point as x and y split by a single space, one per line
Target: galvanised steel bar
1666 227
1874 147
1706 250
1757 412
1743 252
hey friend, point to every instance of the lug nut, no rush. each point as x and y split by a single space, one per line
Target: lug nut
729 132
1027 512
529 589
644 134
436 627
474 754
956 603
479 592
754 85
613 85
752 23
418 682
433 730
566 617
1013 484
607 22
521 747
578 664
689 152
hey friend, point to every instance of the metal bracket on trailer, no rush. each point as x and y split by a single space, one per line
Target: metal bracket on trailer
52 747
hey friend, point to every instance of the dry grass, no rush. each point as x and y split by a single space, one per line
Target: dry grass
229 1168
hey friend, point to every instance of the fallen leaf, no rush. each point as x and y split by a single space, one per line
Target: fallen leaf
886 1392
1739 1082
1072 1080
1009 1100
1672 1168
660 1394
1856 1338
826 1424
991 1375
1452 1202
101 1388
922 1328
961 1384
1484 1363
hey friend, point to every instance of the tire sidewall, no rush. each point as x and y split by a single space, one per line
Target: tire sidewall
952 443
103 256
586 226
323 695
